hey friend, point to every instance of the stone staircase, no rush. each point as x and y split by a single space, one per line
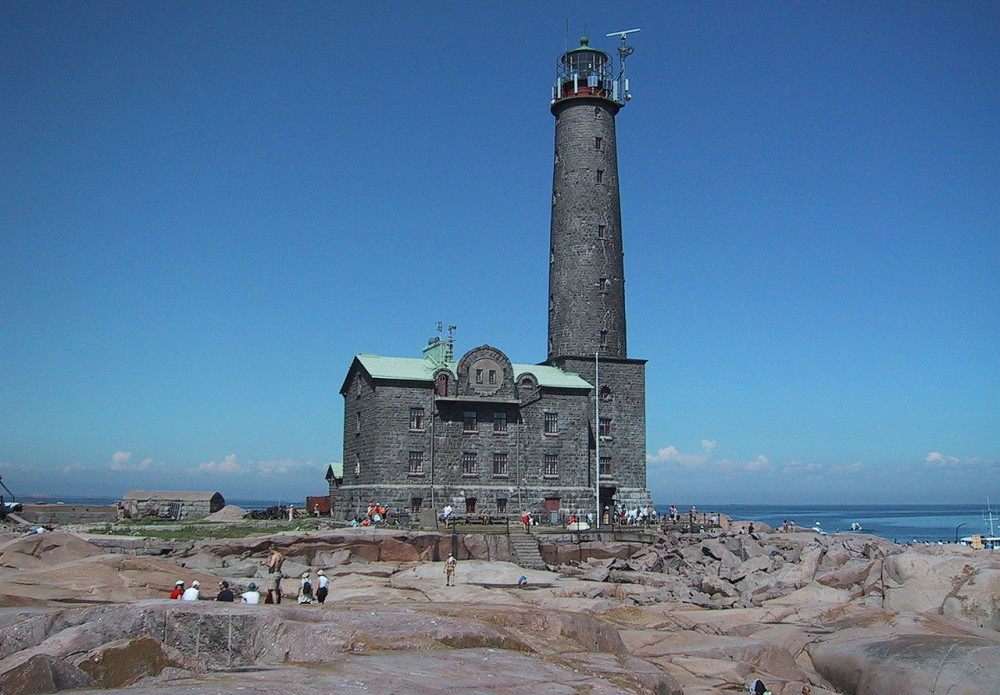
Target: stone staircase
525 549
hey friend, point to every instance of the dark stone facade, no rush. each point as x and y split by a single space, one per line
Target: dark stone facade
422 433
428 434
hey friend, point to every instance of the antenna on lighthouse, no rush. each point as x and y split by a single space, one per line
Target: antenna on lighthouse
624 51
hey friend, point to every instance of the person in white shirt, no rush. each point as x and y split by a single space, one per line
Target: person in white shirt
321 591
192 592
251 595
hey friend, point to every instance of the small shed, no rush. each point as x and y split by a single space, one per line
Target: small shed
172 505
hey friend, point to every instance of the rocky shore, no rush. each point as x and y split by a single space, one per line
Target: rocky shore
682 614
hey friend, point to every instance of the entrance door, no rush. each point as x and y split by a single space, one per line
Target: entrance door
552 509
607 503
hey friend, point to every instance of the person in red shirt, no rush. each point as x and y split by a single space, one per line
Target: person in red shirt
178 589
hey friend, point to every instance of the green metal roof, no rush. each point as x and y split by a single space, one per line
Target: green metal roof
419 369
585 46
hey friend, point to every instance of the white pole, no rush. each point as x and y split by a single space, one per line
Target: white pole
597 431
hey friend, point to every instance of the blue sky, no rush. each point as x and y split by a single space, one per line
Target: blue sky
206 209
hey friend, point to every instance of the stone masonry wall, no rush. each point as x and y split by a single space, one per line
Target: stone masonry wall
586 268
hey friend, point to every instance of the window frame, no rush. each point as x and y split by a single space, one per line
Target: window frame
550 424
417 415
550 466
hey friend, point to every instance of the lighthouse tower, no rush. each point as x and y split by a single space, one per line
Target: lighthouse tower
586 270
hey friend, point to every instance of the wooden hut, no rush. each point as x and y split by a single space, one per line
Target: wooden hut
172 505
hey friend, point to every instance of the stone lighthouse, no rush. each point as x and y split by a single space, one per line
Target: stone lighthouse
586 268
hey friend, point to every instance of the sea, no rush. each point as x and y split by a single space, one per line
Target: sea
901 523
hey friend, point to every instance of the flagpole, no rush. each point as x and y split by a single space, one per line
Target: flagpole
597 432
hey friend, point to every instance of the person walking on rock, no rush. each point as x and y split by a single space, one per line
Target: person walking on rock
449 570
193 592
321 591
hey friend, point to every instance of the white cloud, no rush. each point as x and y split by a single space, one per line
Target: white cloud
11 466
937 458
671 455
227 466
75 468
855 467
757 464
120 461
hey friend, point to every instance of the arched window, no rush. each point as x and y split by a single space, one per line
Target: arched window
442 385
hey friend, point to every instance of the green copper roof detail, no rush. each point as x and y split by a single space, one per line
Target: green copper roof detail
421 369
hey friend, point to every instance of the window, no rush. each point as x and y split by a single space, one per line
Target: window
442 385
493 376
605 465
416 418
501 505
469 421
602 231
600 175
479 376
605 393
415 463
468 463
597 143
500 463
602 284
416 505
357 423
357 465
604 339
604 428
551 465
499 421
470 505
551 423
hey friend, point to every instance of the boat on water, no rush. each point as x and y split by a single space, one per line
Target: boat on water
981 541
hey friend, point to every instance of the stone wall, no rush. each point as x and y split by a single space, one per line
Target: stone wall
586 235
68 514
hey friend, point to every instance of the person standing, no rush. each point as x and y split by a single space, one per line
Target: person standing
321 590
225 593
274 561
526 520
178 589
449 570
305 589
193 592
275 589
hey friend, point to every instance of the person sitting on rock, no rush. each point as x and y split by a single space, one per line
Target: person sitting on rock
225 593
757 687
178 589
193 592
251 595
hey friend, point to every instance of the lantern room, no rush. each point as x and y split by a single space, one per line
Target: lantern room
585 72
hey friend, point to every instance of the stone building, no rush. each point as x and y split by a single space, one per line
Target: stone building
484 434
172 505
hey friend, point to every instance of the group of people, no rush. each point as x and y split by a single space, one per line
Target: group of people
633 516
226 594
309 590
